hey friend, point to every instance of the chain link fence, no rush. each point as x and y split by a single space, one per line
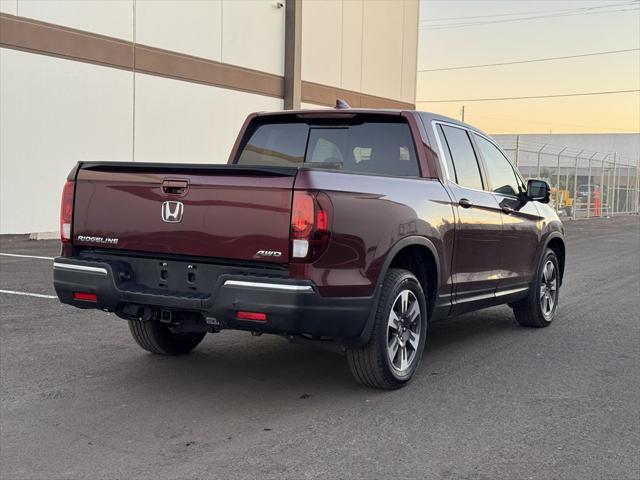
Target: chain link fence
583 184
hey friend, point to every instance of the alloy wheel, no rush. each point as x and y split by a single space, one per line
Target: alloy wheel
403 331
548 290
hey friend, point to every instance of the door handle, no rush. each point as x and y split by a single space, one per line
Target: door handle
507 210
465 203
175 187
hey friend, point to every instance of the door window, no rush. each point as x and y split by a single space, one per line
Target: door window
467 171
503 178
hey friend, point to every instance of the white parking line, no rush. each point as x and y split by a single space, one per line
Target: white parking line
27 294
24 256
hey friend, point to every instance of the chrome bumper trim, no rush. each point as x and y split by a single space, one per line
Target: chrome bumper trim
79 268
271 286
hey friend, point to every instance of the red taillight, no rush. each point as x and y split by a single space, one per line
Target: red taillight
302 215
252 316
66 211
85 297
309 225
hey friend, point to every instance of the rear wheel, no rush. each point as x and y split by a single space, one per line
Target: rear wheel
156 337
540 307
393 353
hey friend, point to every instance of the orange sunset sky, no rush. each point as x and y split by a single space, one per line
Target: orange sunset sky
456 33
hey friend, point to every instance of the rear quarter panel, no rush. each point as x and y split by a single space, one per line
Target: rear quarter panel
370 215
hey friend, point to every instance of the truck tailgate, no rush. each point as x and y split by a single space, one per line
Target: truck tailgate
222 211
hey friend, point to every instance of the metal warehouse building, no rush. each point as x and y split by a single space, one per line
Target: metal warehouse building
172 81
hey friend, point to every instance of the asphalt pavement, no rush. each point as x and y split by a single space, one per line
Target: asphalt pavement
491 400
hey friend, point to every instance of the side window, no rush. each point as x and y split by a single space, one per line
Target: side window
447 156
503 178
463 157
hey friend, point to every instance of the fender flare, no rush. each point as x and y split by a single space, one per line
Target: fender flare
391 254
551 236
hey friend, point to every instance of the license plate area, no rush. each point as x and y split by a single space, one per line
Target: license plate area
180 276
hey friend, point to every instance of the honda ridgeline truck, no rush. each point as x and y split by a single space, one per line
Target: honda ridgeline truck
358 227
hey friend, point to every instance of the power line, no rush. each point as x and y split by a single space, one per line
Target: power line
525 13
610 92
569 13
462 67
552 123
508 20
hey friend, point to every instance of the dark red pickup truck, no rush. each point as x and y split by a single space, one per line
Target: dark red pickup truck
357 227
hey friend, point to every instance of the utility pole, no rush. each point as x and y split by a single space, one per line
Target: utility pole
463 113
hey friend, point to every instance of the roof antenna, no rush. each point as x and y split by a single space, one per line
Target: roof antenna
340 104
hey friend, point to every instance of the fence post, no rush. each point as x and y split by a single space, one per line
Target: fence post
558 181
602 190
613 189
619 178
627 205
539 153
575 184
589 186
638 186
609 186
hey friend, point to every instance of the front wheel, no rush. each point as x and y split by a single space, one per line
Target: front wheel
156 337
393 353
540 307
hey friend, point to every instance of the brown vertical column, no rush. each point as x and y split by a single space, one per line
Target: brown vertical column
293 54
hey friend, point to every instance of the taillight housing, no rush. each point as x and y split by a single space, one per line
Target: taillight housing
66 211
310 225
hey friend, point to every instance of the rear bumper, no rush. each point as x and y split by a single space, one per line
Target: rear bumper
291 306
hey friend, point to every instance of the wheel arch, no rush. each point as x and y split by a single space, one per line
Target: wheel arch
400 256
556 243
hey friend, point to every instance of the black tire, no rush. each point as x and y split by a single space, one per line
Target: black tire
155 337
529 312
370 364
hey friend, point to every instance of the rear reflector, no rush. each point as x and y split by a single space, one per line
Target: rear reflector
252 316
85 297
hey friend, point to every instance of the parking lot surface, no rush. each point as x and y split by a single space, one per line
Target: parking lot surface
490 401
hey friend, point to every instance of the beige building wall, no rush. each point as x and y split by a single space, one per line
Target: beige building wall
78 87
53 113
360 45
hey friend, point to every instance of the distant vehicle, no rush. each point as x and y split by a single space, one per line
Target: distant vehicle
352 226
583 191
565 202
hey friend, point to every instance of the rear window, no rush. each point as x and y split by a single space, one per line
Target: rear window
370 147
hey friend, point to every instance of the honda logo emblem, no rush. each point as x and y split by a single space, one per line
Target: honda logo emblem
172 212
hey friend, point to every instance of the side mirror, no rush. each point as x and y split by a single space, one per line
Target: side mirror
538 190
